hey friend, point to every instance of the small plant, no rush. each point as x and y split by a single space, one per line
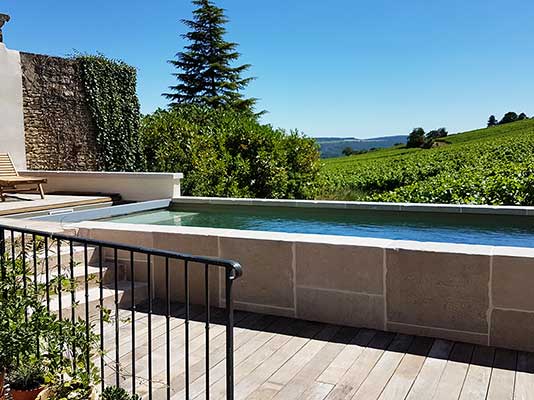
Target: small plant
36 348
28 375
116 393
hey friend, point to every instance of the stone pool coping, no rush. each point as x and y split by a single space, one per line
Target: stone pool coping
312 238
362 205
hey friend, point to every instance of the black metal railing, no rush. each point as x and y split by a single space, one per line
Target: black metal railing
148 286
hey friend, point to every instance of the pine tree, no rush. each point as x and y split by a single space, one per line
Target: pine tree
492 121
205 72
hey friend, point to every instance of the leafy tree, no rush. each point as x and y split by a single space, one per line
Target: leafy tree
437 133
347 151
509 117
226 153
205 73
416 138
522 116
492 121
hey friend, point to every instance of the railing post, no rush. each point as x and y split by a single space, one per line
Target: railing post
229 336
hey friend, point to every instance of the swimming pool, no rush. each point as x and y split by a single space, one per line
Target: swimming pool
486 229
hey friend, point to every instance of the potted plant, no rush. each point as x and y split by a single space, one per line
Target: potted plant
26 380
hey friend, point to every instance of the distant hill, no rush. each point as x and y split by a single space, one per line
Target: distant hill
333 146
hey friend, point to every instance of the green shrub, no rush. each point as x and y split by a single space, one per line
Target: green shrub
224 153
28 375
117 393
36 346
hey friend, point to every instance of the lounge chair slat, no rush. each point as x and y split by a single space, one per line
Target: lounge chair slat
10 178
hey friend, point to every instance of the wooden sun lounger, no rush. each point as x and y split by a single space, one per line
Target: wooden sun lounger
11 181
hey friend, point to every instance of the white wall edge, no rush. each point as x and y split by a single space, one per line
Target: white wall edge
132 186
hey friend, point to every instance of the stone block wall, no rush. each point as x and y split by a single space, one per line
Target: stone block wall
59 130
468 293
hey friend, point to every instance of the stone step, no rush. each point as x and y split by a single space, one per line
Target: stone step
124 293
78 257
93 275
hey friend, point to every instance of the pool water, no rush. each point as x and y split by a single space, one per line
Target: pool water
429 227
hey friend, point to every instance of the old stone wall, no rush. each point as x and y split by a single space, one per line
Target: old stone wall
59 131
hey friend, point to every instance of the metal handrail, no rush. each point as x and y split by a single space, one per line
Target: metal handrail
232 270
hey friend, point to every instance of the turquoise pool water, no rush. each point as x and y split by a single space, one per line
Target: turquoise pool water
428 227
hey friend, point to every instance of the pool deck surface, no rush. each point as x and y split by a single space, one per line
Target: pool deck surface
283 358
26 203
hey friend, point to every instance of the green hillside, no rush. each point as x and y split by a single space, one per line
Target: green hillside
486 166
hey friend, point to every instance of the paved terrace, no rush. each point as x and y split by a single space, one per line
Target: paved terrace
282 358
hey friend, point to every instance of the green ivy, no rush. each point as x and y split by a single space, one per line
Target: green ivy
110 88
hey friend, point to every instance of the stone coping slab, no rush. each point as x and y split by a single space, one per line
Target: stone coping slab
436 247
362 205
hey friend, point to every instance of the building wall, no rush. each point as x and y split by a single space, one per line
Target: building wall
11 118
59 131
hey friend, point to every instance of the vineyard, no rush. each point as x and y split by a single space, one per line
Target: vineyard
486 166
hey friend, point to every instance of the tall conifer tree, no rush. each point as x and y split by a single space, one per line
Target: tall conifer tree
206 74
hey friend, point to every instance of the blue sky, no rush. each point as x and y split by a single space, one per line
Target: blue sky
337 68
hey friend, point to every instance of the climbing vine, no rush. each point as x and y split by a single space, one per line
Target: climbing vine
110 87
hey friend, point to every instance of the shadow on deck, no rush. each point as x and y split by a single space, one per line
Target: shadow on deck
284 358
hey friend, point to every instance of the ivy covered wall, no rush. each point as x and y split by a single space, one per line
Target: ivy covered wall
110 89
80 113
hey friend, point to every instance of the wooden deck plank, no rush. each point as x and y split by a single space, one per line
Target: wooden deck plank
428 378
317 391
347 357
358 372
384 369
255 360
503 375
315 367
453 377
246 341
402 380
304 355
478 375
294 364
50 202
247 386
524 377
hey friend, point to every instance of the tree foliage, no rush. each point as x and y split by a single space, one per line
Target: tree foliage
347 151
492 121
416 138
110 88
508 117
437 133
225 153
206 75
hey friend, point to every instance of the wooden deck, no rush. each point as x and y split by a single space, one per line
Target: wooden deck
282 358
28 203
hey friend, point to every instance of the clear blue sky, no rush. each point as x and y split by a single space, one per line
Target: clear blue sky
341 68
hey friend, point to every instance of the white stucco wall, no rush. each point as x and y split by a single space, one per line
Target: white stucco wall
11 112
134 186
